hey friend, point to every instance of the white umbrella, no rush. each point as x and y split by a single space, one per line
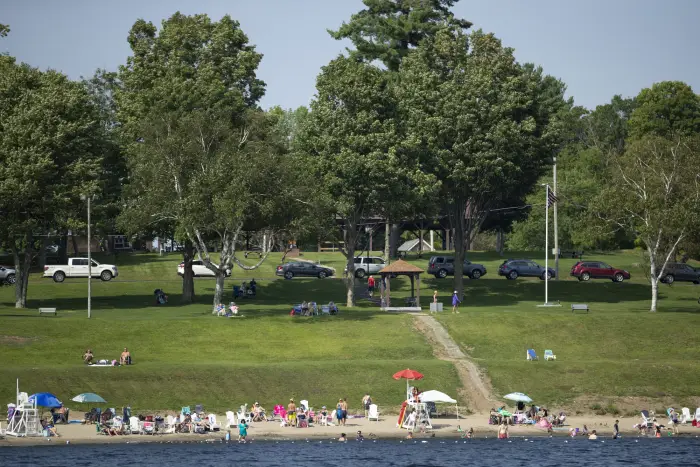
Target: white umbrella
517 397
438 398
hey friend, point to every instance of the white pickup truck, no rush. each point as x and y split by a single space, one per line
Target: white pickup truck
78 267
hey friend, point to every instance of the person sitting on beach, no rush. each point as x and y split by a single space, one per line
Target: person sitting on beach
584 432
50 428
59 415
258 413
532 413
593 435
125 358
87 356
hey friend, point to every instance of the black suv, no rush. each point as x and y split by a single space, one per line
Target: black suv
513 268
303 268
680 272
443 266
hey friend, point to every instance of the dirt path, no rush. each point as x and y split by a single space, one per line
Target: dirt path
476 388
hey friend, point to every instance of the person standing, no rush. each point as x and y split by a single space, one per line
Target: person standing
242 431
370 286
616 429
455 302
435 297
366 402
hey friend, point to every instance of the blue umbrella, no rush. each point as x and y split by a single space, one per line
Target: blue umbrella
45 399
89 397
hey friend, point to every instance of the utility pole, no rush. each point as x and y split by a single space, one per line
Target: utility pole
89 242
556 231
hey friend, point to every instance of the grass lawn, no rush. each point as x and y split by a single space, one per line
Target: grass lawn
185 356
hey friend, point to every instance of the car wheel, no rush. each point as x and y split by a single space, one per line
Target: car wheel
322 275
669 279
442 273
106 276
546 276
476 274
11 279
513 275
360 273
619 277
59 276
586 276
288 275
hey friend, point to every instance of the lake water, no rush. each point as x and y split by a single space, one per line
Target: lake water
488 452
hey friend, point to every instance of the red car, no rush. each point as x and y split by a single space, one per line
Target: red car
587 270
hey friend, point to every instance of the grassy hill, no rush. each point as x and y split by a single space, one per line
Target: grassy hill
185 355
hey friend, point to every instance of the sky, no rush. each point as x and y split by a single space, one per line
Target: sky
599 48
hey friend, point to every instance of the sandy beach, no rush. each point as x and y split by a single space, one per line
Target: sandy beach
385 428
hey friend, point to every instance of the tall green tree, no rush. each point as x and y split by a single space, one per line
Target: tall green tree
4 30
481 123
667 109
187 101
659 177
50 142
386 30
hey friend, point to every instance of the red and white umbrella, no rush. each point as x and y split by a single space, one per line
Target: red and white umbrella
408 375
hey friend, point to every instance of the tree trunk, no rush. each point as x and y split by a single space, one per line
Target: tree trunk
500 241
23 262
74 239
63 249
459 244
653 279
350 239
188 276
387 241
394 240
654 294
219 289
42 253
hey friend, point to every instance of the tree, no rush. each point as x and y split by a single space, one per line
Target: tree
667 109
4 30
196 144
50 142
661 204
348 139
388 29
478 121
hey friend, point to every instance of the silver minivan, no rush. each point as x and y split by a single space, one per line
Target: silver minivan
367 265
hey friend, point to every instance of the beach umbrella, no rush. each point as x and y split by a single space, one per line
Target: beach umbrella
408 375
517 397
89 397
45 399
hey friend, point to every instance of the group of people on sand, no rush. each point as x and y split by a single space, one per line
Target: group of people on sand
124 358
302 416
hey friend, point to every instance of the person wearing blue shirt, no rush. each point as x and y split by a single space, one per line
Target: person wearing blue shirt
455 302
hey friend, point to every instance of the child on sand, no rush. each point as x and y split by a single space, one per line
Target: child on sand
242 431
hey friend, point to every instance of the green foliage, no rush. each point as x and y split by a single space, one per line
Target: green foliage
388 29
666 109
4 30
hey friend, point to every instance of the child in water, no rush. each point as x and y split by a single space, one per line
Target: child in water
342 437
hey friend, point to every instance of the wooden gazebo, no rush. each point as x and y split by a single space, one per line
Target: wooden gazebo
400 268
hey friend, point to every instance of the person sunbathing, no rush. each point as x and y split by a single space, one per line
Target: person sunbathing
258 413
51 429
125 358
87 356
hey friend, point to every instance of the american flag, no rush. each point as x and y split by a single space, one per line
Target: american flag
551 199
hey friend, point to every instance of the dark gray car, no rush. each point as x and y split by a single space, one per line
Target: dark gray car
514 268
680 272
443 266
303 268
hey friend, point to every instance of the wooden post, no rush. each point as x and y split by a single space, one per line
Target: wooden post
418 290
388 290
413 289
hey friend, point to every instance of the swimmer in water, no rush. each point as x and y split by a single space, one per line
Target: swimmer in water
342 437
410 435
593 435
503 431
470 433
359 436
616 430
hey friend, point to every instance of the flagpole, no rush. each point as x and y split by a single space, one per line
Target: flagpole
546 247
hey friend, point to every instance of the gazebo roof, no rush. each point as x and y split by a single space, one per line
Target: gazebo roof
401 267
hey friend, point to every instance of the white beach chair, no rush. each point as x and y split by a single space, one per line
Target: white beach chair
171 424
243 414
304 404
648 419
697 414
685 415
231 420
148 428
213 426
373 412
134 426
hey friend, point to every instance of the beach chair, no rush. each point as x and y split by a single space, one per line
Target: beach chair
549 355
134 426
373 412
685 415
647 418
148 428
531 355
231 419
213 426
304 404
185 411
697 415
199 408
244 415
325 310
171 425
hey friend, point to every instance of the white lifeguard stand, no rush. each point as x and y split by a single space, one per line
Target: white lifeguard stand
421 421
25 420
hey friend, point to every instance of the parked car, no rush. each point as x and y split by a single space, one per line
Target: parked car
680 272
7 275
304 268
514 268
200 270
78 267
443 266
367 265
587 270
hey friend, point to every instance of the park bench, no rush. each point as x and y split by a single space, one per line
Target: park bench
48 311
579 307
402 309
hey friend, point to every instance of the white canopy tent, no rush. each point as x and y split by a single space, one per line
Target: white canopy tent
438 397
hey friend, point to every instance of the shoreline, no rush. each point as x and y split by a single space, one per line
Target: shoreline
385 429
